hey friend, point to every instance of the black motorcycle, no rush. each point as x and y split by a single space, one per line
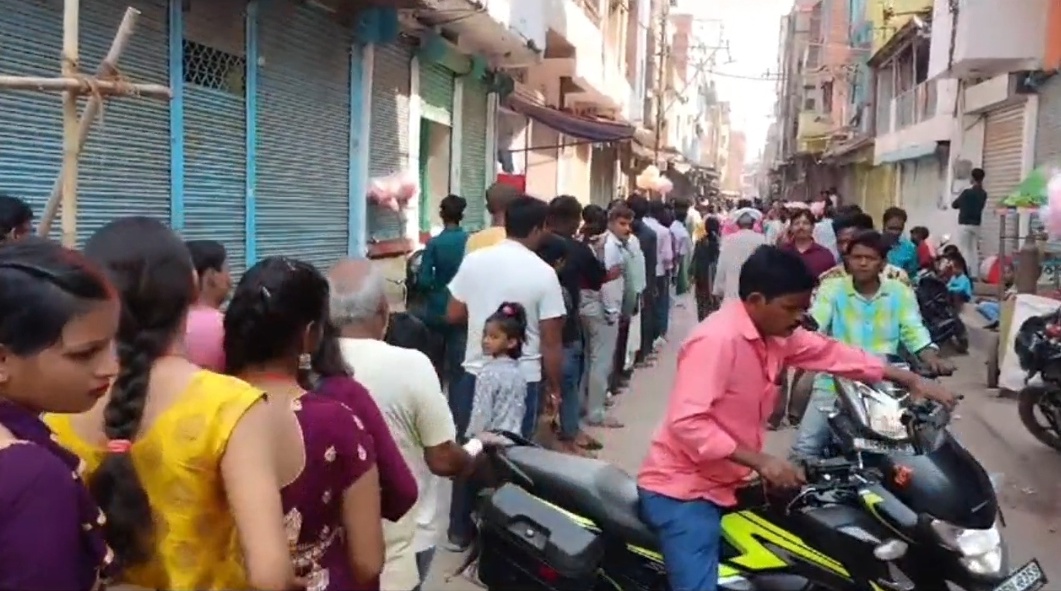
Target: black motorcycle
938 313
1038 349
887 518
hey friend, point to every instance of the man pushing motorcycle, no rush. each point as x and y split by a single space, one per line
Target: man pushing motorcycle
711 439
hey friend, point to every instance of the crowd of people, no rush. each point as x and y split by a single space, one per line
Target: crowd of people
159 427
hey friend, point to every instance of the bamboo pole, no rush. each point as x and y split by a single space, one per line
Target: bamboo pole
84 86
107 69
70 57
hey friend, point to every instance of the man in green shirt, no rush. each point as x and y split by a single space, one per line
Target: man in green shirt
970 205
442 257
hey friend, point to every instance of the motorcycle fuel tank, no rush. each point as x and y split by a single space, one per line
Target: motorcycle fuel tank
946 483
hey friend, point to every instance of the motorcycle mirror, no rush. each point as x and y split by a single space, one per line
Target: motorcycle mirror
944 239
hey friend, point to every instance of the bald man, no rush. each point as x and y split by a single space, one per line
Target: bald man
414 407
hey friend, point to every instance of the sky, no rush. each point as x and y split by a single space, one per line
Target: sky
751 26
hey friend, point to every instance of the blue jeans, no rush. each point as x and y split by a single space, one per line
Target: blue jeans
814 433
570 394
461 398
690 538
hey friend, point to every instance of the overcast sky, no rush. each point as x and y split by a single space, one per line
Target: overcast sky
751 26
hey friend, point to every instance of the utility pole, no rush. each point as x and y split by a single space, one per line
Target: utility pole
661 73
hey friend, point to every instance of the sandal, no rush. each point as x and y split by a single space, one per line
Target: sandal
606 423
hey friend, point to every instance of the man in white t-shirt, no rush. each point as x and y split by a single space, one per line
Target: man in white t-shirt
404 384
507 272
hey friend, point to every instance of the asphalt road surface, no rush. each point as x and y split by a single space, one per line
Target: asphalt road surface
989 426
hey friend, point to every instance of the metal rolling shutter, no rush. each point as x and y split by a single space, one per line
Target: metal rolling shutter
303 135
125 165
436 91
473 152
1048 126
215 151
602 175
389 142
1003 142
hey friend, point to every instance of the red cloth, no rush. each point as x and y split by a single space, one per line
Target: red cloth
518 181
926 255
817 258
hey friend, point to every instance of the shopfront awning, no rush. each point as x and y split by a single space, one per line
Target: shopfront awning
584 128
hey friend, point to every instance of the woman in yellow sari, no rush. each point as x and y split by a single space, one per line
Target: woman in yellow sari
178 458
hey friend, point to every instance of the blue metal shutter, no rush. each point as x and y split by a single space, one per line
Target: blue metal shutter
436 91
389 141
473 152
215 150
125 165
303 135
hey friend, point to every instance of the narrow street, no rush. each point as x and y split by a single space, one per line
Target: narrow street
989 426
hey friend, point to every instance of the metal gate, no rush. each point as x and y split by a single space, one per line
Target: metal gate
602 175
389 141
303 134
474 107
126 162
215 151
1048 126
436 92
1003 144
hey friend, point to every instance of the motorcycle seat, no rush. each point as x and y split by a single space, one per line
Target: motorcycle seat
590 488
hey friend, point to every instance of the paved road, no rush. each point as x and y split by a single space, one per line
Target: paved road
989 426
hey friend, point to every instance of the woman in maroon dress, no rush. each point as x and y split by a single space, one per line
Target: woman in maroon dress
801 241
58 318
331 499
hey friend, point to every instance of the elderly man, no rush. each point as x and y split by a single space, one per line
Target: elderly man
735 249
412 404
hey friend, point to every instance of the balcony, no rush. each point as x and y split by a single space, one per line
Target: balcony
991 37
913 123
812 131
510 33
597 72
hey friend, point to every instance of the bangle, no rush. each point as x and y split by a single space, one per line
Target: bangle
474 447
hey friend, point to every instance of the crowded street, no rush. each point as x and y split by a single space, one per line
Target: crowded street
987 424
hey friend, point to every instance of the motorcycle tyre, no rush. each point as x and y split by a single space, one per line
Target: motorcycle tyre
1027 400
802 386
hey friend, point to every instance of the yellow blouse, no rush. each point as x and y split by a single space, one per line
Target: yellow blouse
484 238
178 460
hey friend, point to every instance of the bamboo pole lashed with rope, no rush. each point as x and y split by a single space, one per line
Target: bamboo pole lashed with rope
106 83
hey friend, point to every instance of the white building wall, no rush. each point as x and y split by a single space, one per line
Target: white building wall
992 36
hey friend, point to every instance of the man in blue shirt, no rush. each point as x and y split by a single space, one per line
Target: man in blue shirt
904 252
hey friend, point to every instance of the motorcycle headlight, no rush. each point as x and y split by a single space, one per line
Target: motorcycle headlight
980 550
885 419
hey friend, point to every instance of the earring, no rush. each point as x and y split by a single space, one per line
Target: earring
305 361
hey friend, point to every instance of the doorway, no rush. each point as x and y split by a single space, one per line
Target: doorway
435 146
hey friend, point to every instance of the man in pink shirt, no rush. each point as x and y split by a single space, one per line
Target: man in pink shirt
711 440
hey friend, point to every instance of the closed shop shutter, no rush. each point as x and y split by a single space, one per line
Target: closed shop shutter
474 115
602 175
1048 126
880 191
125 165
215 151
1003 143
303 134
436 92
389 142
907 184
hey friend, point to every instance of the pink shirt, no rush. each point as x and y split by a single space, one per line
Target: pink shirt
724 390
731 226
204 338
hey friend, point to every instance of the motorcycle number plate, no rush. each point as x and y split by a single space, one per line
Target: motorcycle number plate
1029 577
881 447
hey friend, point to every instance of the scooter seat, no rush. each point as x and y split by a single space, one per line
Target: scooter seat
590 488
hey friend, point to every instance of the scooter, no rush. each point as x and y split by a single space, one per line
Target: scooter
1038 349
920 514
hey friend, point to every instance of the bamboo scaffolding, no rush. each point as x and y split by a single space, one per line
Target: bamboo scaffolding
107 82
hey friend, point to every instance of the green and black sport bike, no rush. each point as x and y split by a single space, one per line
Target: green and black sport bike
903 513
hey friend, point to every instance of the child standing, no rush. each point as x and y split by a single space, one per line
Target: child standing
500 389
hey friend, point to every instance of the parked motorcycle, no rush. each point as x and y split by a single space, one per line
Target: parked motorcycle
1038 349
908 499
938 313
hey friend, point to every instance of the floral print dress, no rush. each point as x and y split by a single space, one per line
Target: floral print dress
50 528
338 451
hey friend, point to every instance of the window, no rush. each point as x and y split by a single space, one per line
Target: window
827 96
214 69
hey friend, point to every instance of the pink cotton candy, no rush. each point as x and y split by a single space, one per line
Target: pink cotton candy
204 338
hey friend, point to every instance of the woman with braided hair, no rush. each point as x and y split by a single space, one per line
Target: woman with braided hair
179 459
275 324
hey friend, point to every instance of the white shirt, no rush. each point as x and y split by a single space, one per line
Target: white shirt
734 251
507 272
405 387
611 292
